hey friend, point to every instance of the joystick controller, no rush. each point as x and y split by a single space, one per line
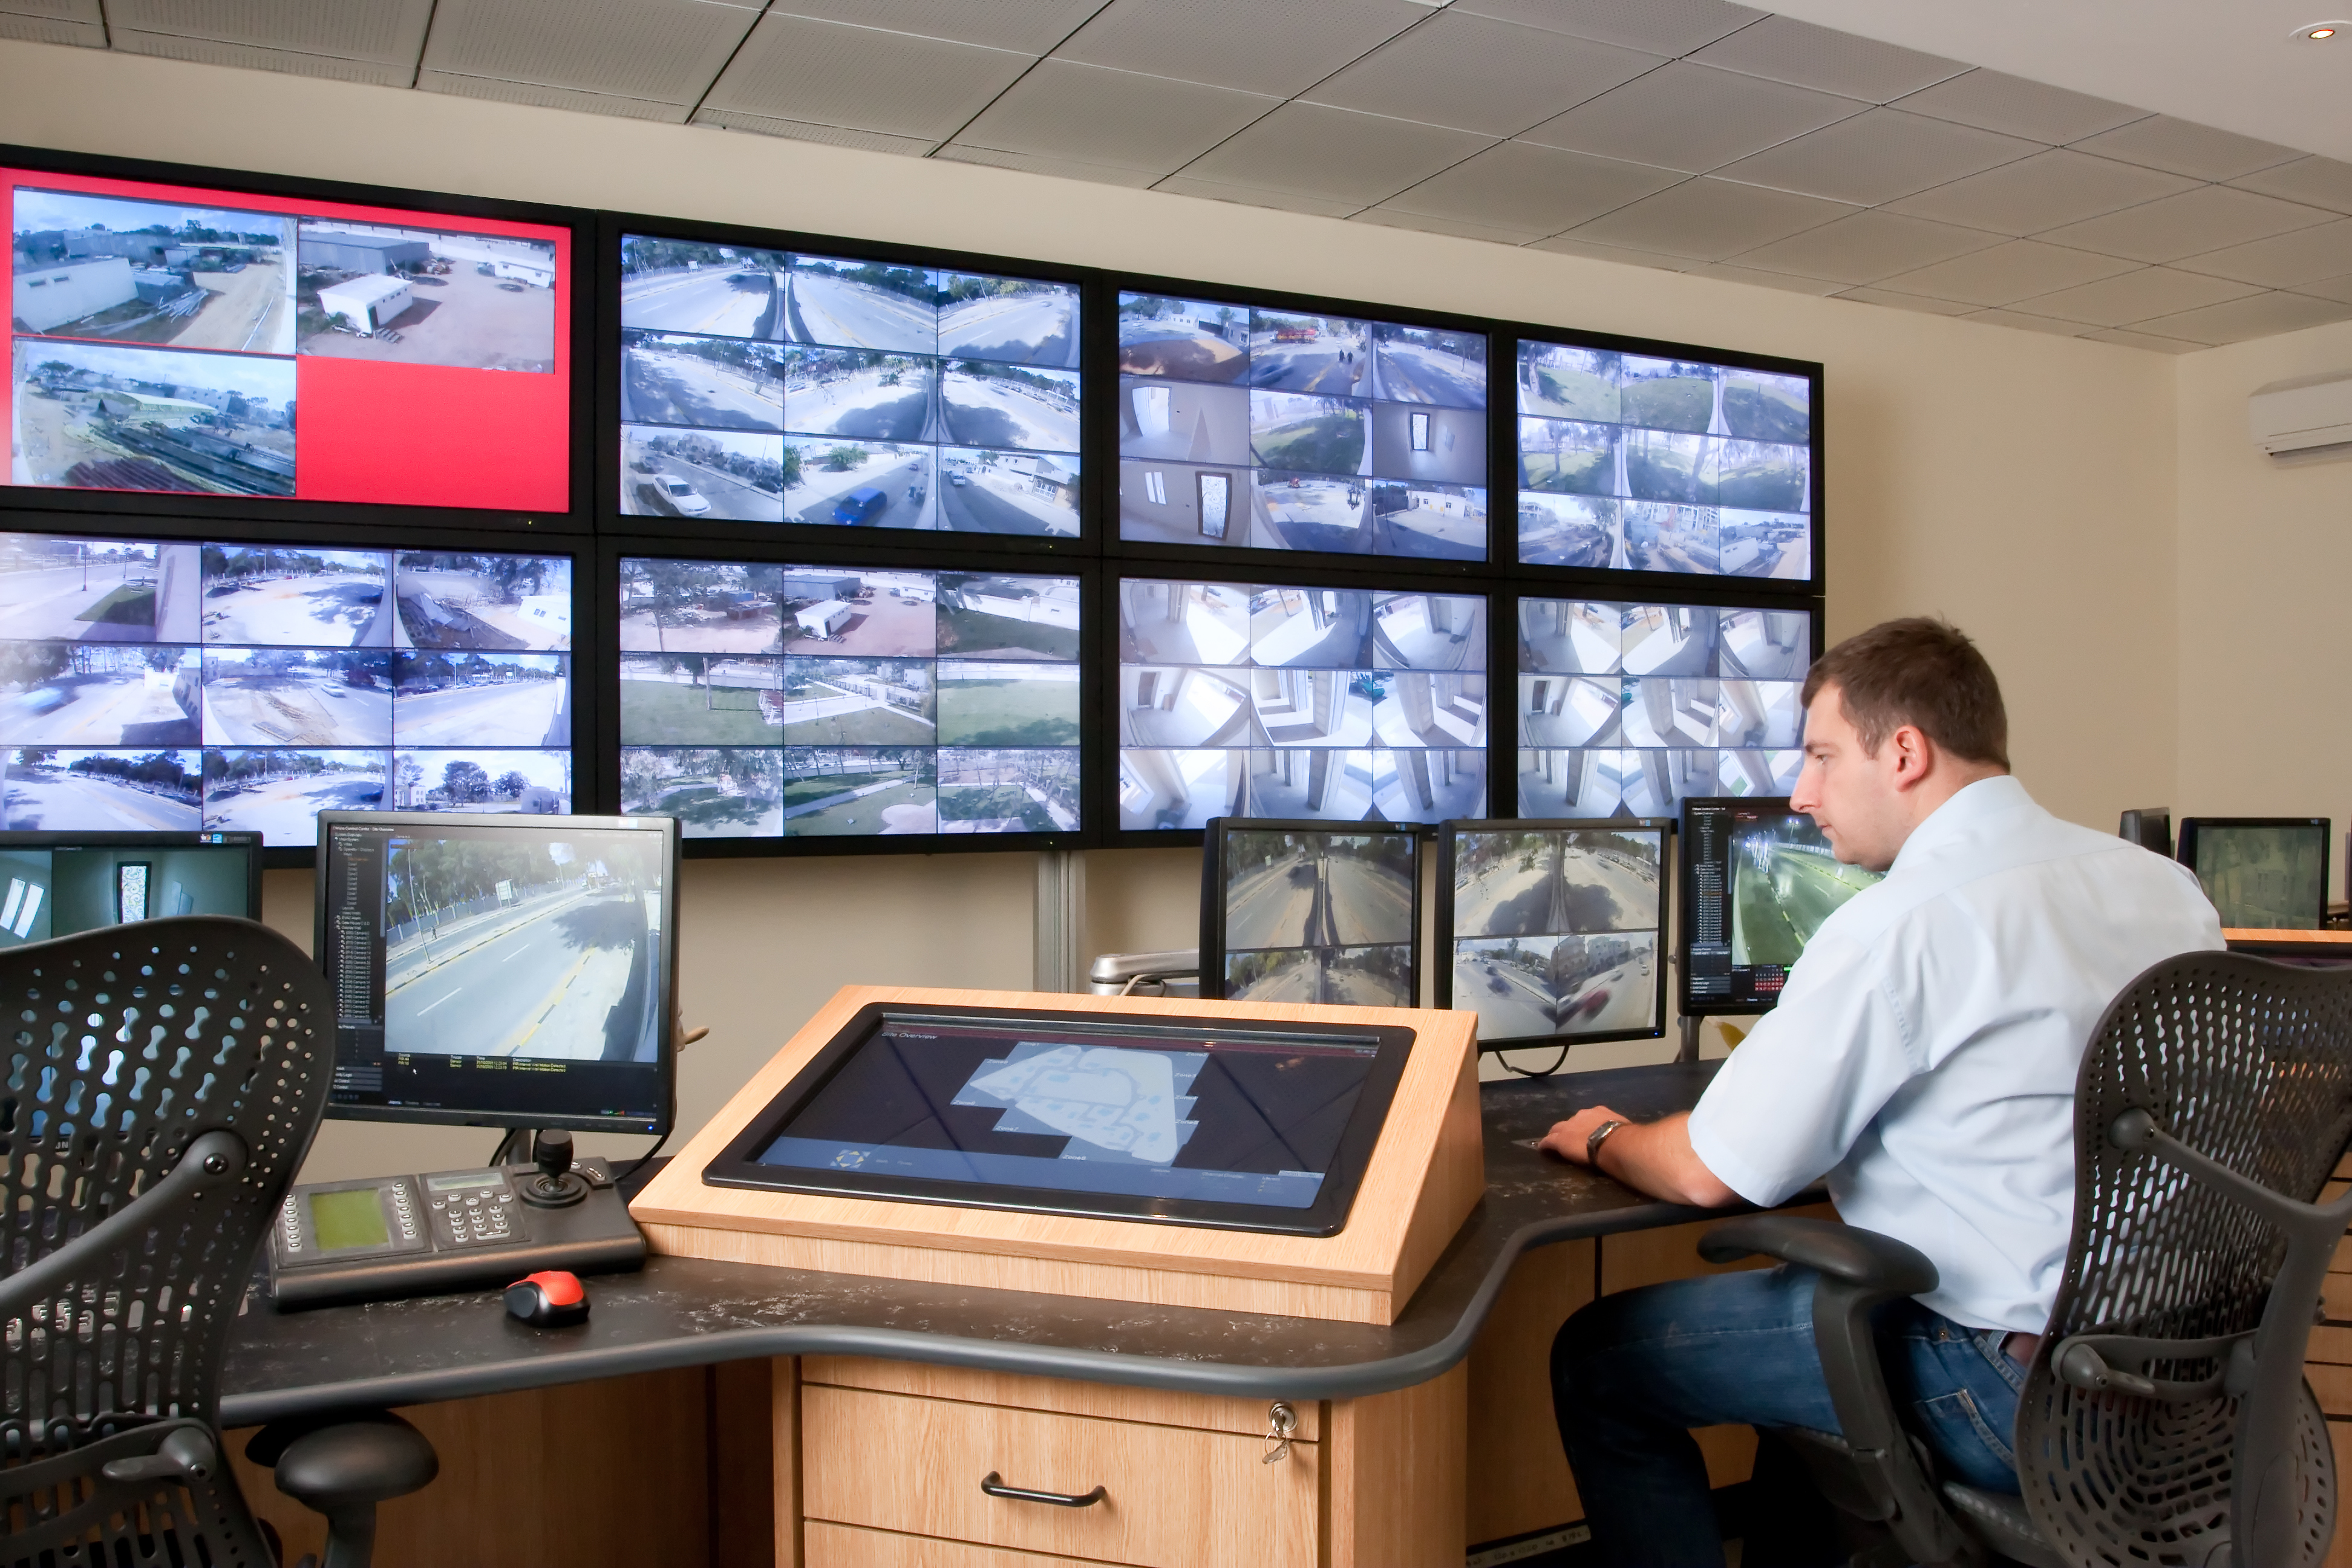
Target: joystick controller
556 1185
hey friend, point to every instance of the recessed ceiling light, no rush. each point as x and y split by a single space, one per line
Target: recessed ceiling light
2319 32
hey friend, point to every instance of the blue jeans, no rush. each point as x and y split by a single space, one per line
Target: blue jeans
1634 1372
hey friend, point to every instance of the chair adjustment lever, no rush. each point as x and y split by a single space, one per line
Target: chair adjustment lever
187 1454
2090 1362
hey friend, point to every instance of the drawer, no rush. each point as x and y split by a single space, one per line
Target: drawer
846 1546
1175 1496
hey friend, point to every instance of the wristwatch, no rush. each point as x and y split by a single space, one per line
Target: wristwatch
1600 1136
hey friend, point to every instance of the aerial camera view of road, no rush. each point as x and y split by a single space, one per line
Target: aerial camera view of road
498 948
60 791
1342 901
1556 930
1784 883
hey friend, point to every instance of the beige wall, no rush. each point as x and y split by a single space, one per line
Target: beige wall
2023 484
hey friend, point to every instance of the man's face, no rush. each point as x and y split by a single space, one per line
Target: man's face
1849 794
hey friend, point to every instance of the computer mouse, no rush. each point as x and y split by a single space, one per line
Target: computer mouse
550 1299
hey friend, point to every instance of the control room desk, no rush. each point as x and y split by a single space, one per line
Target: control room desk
916 1351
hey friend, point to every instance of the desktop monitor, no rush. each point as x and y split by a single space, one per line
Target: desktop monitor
2150 827
60 884
1552 931
1757 881
500 971
1306 911
2259 872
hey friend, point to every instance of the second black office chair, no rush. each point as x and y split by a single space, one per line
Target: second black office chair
2164 1418
162 1082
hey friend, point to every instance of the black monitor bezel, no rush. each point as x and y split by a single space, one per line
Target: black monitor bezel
164 838
736 1165
2185 851
1213 885
1442 968
665 1056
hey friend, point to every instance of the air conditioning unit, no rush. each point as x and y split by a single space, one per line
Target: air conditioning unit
2306 420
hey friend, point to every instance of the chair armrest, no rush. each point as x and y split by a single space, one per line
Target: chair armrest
217 1156
1863 1259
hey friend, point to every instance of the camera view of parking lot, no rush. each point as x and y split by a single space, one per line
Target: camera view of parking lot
1283 430
1318 916
765 386
764 700
1556 930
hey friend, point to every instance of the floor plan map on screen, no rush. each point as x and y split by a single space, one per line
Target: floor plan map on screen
1110 1101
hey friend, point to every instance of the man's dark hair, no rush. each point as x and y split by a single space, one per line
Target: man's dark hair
1920 671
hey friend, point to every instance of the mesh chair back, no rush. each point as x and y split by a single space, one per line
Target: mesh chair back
2250 1063
119 1048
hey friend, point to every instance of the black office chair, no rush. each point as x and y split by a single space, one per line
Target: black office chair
2164 1418
159 1084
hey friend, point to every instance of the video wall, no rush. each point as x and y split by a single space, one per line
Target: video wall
171 339
1285 429
780 701
155 684
767 386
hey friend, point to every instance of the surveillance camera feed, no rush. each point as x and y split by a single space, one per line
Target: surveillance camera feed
150 684
1662 465
1760 880
1321 704
767 386
1556 932
2260 875
767 701
1311 916
1627 709
1287 430
163 338
59 886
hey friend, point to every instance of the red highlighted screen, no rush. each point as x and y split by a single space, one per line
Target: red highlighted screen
167 338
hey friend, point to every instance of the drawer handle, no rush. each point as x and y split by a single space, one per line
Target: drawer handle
994 1485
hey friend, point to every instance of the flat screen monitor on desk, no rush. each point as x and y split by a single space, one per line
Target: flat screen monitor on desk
1552 931
2259 872
500 971
59 884
2150 827
1758 880
1305 911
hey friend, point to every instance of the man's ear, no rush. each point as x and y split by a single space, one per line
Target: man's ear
1915 756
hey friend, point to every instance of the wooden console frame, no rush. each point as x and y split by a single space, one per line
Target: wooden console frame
1425 1174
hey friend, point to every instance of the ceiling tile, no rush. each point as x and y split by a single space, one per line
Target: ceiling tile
551 96
1245 44
2256 316
1867 247
2329 289
1567 245
1095 115
1476 74
1393 217
1710 220
2043 192
2028 324
2006 273
388 34
1992 101
794 68
249 57
2190 223
1539 189
52 29
1059 168
1690 117
1908 301
2135 297
2284 260
1336 154
2179 147
1255 196
2320 182
1660 27
665 51
801 130
1803 54
1786 282
1877 156
1024 26
2122 337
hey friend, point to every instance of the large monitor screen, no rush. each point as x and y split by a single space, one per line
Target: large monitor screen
59 884
1628 710
769 386
150 684
2261 872
1292 430
163 339
1553 931
1292 912
505 972
1757 881
1195 1122
1640 464
1327 704
818 701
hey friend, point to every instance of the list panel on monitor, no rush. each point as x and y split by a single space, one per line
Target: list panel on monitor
59 884
164 337
1282 429
1757 881
507 970
1295 911
2260 871
158 684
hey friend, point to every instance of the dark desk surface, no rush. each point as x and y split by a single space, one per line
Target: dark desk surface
683 1312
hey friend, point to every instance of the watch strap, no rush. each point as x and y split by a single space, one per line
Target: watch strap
1600 1135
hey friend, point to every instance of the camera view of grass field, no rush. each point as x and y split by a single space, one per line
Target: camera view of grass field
1757 407
1665 394
1569 382
698 701
1009 704
1308 434
864 805
1569 459
995 804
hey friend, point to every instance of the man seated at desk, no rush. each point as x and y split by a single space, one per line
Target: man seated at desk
1923 1054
